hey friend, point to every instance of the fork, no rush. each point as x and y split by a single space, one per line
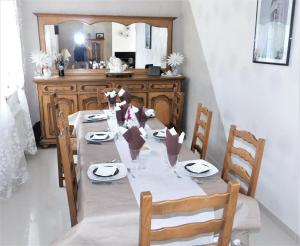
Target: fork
129 171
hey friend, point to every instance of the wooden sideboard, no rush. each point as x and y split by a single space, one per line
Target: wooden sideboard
80 93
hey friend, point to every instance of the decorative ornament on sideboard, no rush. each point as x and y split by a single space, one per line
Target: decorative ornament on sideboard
174 60
117 68
43 63
61 61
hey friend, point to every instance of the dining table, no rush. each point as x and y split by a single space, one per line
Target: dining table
108 212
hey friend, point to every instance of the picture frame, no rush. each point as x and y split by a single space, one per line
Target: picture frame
100 35
273 31
148 36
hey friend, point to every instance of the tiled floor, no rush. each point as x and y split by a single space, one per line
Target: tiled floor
38 212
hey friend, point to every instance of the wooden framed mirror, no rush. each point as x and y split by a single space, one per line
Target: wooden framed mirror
92 39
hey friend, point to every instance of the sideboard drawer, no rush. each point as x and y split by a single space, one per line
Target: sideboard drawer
59 88
92 88
132 86
164 86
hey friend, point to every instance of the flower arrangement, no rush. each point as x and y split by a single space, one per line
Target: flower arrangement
174 60
42 61
61 61
62 58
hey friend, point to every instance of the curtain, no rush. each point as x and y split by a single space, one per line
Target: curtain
17 137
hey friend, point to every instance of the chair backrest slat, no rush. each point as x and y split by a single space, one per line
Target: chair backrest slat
244 154
253 161
68 165
222 226
189 204
201 122
187 230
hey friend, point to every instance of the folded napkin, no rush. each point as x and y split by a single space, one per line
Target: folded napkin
125 95
111 96
130 117
99 136
197 167
161 133
134 140
173 143
141 116
96 117
105 170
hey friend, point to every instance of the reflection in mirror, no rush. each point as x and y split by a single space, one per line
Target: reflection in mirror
91 46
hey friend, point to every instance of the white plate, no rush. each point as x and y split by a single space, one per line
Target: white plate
182 171
121 167
95 117
89 134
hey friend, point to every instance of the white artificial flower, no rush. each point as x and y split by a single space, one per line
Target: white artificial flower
175 59
40 58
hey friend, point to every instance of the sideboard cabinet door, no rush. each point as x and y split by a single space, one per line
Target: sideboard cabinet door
67 103
139 99
88 102
161 102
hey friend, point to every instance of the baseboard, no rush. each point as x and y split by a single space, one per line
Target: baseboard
278 222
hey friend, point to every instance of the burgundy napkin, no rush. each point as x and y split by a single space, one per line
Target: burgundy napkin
173 147
126 97
141 117
120 114
134 140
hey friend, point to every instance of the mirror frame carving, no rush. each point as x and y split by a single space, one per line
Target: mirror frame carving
55 19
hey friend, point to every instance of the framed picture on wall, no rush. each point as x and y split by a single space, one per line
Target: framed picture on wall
100 35
273 31
148 36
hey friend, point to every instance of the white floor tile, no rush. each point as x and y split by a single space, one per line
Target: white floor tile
38 212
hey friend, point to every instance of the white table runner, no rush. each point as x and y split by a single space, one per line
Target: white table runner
163 184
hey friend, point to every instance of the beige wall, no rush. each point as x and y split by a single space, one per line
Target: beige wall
263 99
112 7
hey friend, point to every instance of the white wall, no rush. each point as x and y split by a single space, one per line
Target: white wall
263 99
112 7
121 43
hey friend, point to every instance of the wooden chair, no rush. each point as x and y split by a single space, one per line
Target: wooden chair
177 110
203 121
102 99
222 226
55 111
68 165
254 161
